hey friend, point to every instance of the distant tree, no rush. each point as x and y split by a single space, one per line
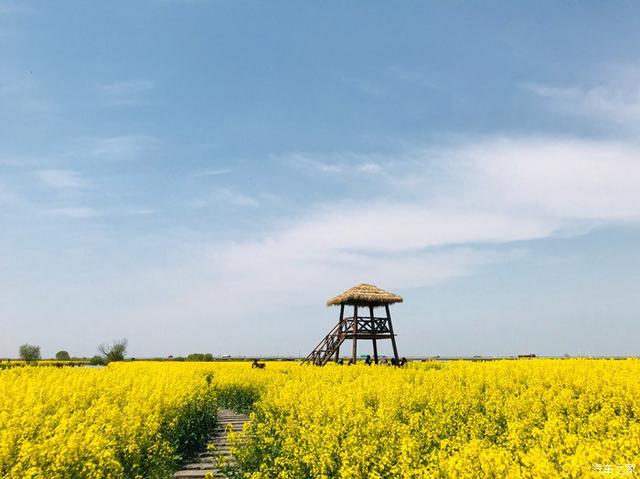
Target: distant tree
63 356
115 351
29 352
96 361
200 357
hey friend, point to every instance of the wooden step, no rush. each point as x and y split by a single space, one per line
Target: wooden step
201 466
198 474
207 462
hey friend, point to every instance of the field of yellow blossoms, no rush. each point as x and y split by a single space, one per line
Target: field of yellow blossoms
128 421
537 418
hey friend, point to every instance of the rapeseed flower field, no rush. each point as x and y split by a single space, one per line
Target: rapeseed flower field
513 419
537 418
130 421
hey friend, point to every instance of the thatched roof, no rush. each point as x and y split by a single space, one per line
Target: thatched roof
365 294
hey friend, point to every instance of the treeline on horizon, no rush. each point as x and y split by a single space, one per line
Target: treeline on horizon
108 352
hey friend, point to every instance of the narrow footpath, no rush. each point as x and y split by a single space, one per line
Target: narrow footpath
207 462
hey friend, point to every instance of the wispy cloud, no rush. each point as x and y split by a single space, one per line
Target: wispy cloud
21 95
61 179
364 86
388 81
213 172
15 162
80 212
413 76
75 212
445 212
227 195
338 163
370 167
136 212
305 160
604 102
12 8
493 194
8 197
126 93
123 147
616 98
224 196
9 9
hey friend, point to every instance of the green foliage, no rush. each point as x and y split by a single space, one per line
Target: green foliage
193 423
184 427
97 361
200 357
116 351
63 356
29 352
238 397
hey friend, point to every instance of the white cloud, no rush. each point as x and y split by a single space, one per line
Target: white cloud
61 179
447 212
553 179
491 192
282 274
441 216
441 213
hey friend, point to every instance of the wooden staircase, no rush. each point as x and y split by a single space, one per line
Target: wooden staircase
327 348
206 464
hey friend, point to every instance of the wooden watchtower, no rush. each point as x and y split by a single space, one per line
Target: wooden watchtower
364 324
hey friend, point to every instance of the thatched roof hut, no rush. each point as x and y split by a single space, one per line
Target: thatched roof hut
362 325
365 295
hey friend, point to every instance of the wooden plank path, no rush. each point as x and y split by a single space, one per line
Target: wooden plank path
207 462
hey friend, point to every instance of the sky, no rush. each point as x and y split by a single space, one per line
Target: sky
201 176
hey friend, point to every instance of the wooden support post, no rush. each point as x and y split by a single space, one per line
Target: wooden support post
393 337
373 331
339 331
355 333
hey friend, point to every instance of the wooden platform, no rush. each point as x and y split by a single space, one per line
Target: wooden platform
205 464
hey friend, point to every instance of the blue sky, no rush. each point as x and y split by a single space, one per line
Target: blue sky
202 175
